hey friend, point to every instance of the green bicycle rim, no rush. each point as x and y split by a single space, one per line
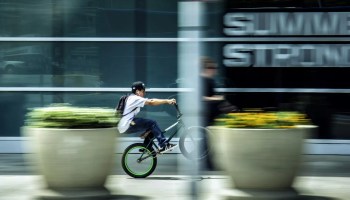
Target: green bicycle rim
131 171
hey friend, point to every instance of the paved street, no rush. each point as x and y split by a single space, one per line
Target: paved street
168 164
321 177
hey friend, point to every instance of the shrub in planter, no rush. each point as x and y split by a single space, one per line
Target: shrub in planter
73 148
260 151
69 117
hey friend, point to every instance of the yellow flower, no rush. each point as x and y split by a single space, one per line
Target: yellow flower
256 118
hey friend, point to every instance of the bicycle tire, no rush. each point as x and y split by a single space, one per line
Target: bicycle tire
139 169
189 144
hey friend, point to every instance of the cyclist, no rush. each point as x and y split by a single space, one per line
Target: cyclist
130 123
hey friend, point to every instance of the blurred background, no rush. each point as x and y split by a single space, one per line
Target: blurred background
276 54
286 54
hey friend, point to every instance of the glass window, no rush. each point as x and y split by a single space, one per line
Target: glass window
88 18
87 64
285 3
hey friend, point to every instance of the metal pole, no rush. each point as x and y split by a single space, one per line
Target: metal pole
189 26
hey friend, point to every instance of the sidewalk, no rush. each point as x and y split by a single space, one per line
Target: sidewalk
160 187
321 178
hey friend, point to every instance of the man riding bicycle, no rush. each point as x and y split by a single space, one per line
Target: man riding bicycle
129 123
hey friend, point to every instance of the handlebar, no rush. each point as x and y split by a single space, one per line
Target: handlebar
179 114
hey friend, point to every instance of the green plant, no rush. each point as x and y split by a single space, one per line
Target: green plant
266 120
66 116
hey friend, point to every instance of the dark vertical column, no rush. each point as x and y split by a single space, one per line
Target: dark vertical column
57 49
141 47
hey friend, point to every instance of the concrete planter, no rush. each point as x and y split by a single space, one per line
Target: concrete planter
259 159
75 163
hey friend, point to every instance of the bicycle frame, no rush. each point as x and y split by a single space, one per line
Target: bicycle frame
151 150
178 124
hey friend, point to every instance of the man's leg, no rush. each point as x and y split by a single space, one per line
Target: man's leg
148 139
148 124
211 113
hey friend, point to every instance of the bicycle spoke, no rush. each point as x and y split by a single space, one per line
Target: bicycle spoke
138 161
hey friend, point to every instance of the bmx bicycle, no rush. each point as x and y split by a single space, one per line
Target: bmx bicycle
139 160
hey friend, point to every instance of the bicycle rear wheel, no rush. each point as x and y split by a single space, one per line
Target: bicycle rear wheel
194 142
138 161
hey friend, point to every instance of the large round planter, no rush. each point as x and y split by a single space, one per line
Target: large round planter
259 159
75 163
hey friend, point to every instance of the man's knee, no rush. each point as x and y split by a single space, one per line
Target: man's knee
151 123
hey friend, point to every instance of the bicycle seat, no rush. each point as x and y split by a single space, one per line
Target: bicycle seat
145 134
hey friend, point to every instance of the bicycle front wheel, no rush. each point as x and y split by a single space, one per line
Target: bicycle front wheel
193 142
138 161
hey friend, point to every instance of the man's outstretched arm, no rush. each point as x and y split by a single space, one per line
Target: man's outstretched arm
156 102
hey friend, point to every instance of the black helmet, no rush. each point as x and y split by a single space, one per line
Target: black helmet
138 85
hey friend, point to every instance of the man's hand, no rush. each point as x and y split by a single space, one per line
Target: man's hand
214 98
171 101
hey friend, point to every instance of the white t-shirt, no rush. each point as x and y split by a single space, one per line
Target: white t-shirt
132 102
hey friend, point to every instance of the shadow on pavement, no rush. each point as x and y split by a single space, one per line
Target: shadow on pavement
193 178
301 197
306 197
113 197
127 197
165 178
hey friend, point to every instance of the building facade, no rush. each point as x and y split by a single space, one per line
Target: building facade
284 54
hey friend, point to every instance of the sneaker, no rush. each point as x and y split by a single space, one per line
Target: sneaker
167 147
